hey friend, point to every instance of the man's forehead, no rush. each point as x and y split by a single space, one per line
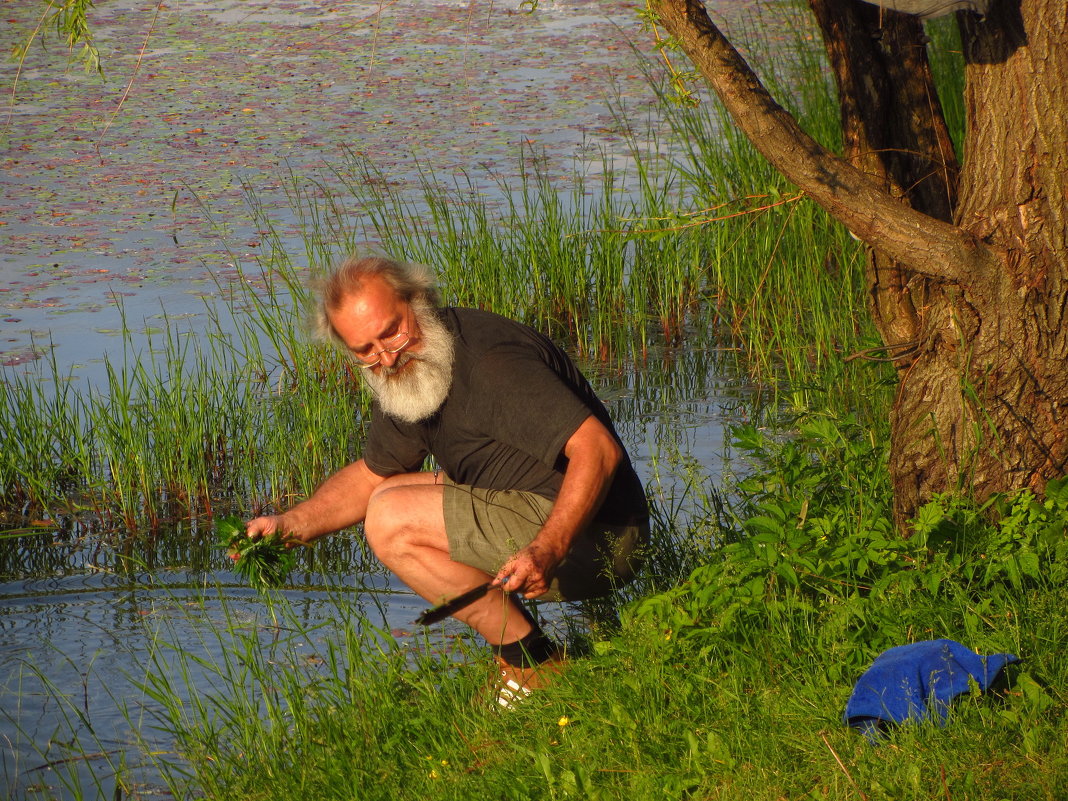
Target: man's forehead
373 311
374 298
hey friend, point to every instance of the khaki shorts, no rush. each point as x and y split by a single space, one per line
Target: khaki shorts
486 527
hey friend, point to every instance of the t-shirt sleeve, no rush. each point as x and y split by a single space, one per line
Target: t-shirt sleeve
392 447
531 408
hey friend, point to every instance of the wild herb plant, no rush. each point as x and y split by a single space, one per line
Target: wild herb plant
1013 539
264 562
809 538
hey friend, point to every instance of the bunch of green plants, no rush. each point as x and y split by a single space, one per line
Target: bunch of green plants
1015 539
264 562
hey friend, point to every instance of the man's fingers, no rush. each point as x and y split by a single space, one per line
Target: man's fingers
514 579
261 526
535 589
504 574
514 576
524 575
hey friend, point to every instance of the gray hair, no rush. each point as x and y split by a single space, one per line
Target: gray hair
412 283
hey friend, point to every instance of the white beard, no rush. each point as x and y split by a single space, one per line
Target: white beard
418 383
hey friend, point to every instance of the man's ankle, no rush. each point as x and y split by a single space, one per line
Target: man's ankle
529 651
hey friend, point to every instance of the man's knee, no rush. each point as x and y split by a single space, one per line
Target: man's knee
400 512
384 520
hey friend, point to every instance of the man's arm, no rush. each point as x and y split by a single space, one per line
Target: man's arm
339 502
593 455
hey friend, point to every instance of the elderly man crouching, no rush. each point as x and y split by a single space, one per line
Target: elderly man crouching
533 490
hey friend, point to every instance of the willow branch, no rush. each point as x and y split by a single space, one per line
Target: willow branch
919 242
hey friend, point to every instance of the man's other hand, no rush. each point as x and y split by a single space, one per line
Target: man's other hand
529 572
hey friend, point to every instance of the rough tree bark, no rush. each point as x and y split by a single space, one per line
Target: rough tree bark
968 264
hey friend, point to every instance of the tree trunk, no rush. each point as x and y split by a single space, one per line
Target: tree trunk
983 406
879 61
968 275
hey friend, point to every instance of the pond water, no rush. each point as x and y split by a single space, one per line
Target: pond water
123 204
133 189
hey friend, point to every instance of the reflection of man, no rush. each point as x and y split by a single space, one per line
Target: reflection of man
533 490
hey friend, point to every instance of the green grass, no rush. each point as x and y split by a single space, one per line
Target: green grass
720 688
730 684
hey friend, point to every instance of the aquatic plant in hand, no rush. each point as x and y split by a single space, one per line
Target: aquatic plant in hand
265 562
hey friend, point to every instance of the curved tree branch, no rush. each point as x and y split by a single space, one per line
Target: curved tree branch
919 242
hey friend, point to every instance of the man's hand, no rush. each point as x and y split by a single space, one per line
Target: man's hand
593 455
529 571
269 524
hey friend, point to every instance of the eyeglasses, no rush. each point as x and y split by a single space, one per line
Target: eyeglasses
395 345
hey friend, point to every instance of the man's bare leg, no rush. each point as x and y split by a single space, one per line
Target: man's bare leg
405 527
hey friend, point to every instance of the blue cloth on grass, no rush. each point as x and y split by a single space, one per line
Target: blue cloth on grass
916 682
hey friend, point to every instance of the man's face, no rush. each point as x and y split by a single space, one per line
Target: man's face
404 349
376 326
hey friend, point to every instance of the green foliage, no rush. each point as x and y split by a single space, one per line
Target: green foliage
344 711
265 562
1016 539
70 20
810 543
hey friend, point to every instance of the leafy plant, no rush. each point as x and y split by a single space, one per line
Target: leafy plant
70 18
1017 539
265 562
809 545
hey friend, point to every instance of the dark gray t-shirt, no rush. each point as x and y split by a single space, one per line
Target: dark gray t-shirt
515 400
